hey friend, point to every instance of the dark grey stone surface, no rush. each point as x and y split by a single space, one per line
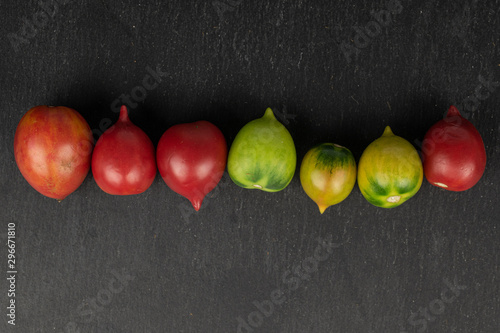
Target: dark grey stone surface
146 263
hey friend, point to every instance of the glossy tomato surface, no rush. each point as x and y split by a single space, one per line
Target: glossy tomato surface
53 148
262 155
191 159
390 171
453 153
123 162
328 174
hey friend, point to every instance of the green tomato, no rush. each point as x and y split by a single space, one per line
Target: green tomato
262 156
389 171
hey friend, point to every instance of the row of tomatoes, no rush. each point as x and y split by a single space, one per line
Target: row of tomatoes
390 170
54 151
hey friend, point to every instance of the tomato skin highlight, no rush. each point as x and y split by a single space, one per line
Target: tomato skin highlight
191 159
123 162
453 153
53 147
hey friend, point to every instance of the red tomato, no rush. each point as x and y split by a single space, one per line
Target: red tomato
123 162
52 147
453 153
191 159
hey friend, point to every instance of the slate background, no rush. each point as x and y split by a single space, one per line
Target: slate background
200 272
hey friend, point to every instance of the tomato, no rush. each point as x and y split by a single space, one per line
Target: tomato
191 159
389 171
328 174
123 162
52 148
262 155
453 153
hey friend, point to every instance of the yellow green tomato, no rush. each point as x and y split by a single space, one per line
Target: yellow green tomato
262 155
389 171
328 174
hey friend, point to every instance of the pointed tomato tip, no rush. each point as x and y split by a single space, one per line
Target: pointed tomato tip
453 111
269 114
196 204
322 208
387 131
123 113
